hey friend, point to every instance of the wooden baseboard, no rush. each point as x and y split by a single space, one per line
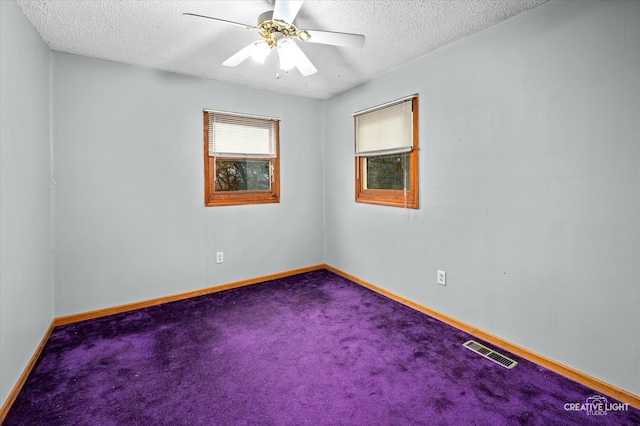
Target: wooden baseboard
578 376
23 377
69 319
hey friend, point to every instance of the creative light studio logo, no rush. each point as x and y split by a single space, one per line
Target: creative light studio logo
596 405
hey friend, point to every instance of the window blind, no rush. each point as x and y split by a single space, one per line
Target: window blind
232 135
385 130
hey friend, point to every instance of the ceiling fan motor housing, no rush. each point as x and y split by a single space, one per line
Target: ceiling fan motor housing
274 29
266 16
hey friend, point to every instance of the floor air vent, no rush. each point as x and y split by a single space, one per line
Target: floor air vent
491 354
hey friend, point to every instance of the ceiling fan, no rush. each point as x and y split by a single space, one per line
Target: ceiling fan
278 31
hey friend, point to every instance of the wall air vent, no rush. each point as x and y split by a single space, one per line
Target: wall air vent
490 354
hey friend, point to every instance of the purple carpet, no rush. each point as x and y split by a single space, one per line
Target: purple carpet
311 349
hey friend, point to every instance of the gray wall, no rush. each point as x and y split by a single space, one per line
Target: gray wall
26 285
129 189
530 160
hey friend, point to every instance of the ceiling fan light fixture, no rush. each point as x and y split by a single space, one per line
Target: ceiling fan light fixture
261 51
287 53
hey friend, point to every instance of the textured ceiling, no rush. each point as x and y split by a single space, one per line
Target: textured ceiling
154 34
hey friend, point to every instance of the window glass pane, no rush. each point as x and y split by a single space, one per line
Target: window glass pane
388 172
242 175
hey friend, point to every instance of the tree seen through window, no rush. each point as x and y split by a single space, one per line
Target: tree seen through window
388 172
242 175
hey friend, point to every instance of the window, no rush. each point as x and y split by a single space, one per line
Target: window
386 154
241 159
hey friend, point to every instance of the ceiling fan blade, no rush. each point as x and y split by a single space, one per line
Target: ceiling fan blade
336 39
251 27
243 54
286 10
303 63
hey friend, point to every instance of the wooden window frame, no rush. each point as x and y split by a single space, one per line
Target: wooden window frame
393 197
232 198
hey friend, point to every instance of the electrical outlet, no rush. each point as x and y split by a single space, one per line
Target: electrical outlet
219 257
442 278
